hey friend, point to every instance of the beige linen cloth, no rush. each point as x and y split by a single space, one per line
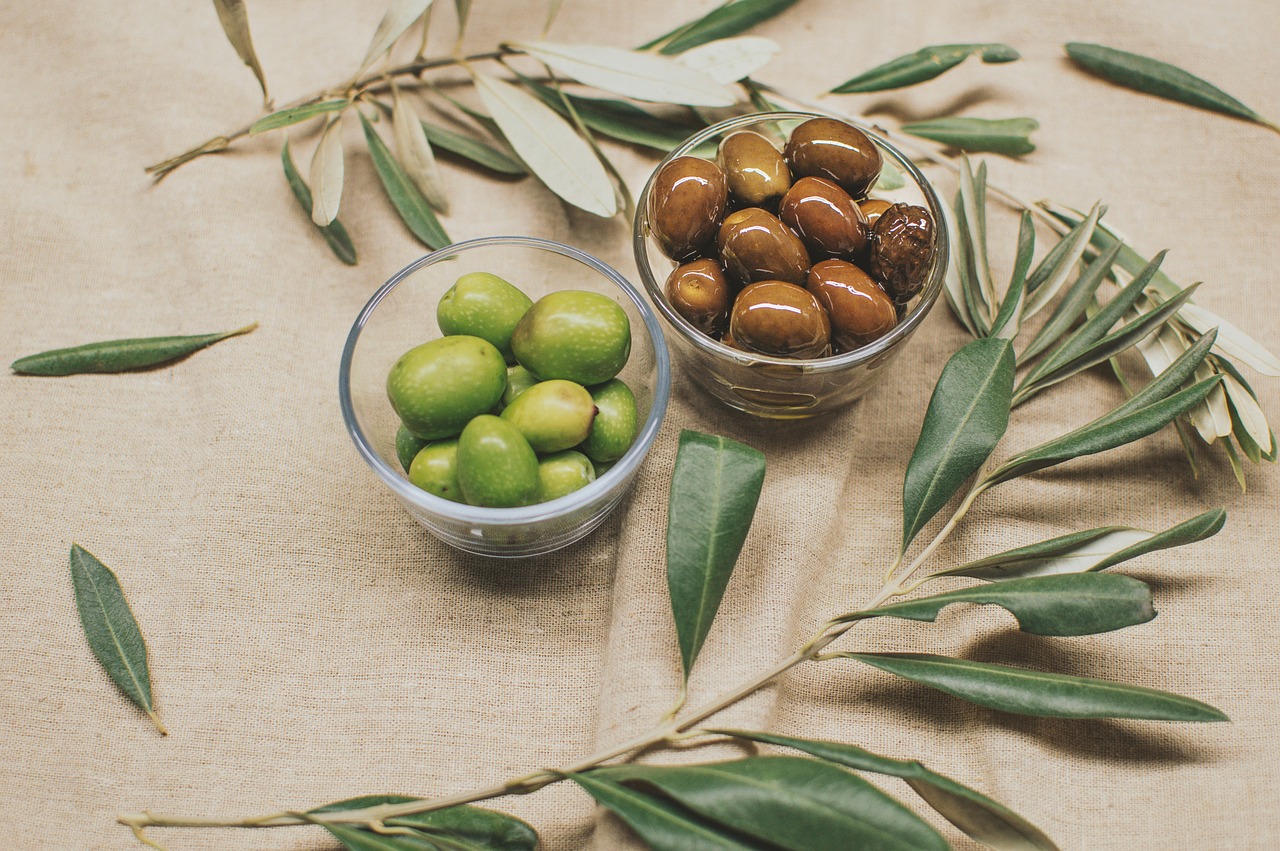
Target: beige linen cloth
309 642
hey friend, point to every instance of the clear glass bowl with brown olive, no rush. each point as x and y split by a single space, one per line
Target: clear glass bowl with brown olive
788 276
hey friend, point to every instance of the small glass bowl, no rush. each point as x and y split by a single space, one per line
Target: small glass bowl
401 315
774 387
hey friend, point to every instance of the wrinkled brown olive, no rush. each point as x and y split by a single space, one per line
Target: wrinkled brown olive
698 292
872 208
859 310
901 248
756 246
778 318
826 218
686 202
825 147
754 169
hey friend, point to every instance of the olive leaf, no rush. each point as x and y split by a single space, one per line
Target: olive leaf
1092 550
972 215
616 118
463 8
1155 77
235 23
714 491
1027 692
111 629
1072 306
730 59
555 152
1245 407
335 235
730 19
978 816
1008 321
295 115
120 355
642 76
956 282
976 307
967 415
405 196
399 16
477 826
327 173
925 64
890 178
478 152
1048 278
1008 136
415 152
789 801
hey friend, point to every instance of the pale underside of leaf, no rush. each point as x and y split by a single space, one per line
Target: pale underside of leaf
415 153
730 59
1058 276
1250 413
327 174
643 76
1069 554
973 216
235 23
549 146
399 16
953 285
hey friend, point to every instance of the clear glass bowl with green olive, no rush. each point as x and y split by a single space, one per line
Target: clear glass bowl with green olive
791 255
488 386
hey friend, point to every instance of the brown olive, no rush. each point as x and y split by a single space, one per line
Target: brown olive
756 246
754 169
686 202
859 309
872 208
698 292
826 218
778 318
901 248
825 147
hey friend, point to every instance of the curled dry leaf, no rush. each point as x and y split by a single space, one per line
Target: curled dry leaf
642 76
400 14
235 23
730 59
415 153
327 174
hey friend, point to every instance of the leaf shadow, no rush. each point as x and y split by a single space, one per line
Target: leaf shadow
901 113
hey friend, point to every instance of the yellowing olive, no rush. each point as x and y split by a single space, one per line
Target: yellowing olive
686 203
826 218
901 248
859 309
699 292
756 246
754 169
778 318
872 208
825 147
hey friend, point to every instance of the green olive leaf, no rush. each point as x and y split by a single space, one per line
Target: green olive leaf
474 150
120 355
477 826
295 115
1072 306
235 23
714 491
405 196
925 64
1048 278
615 118
1027 692
1008 321
1155 77
978 816
1008 136
335 235
967 416
972 214
111 629
730 19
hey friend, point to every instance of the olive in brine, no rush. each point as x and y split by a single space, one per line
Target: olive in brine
825 147
872 208
699 292
756 246
754 169
901 248
859 309
686 202
828 221
778 318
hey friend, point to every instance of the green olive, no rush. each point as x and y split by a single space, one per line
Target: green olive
435 469
615 424
576 335
483 306
778 318
552 415
825 147
407 446
496 466
687 199
563 473
828 221
437 387
754 169
519 380
756 246
859 309
699 292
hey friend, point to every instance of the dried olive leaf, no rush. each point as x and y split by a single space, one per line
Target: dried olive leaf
295 114
235 23
925 64
119 355
730 59
399 15
1008 136
111 629
327 173
552 149
335 235
1159 78
415 152
405 197
1027 692
642 76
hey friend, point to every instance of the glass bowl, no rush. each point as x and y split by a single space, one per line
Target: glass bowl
401 315
775 387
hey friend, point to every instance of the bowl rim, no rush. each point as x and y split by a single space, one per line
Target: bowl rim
906 326
521 515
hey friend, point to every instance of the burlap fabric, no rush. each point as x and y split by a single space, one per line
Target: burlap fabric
309 642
